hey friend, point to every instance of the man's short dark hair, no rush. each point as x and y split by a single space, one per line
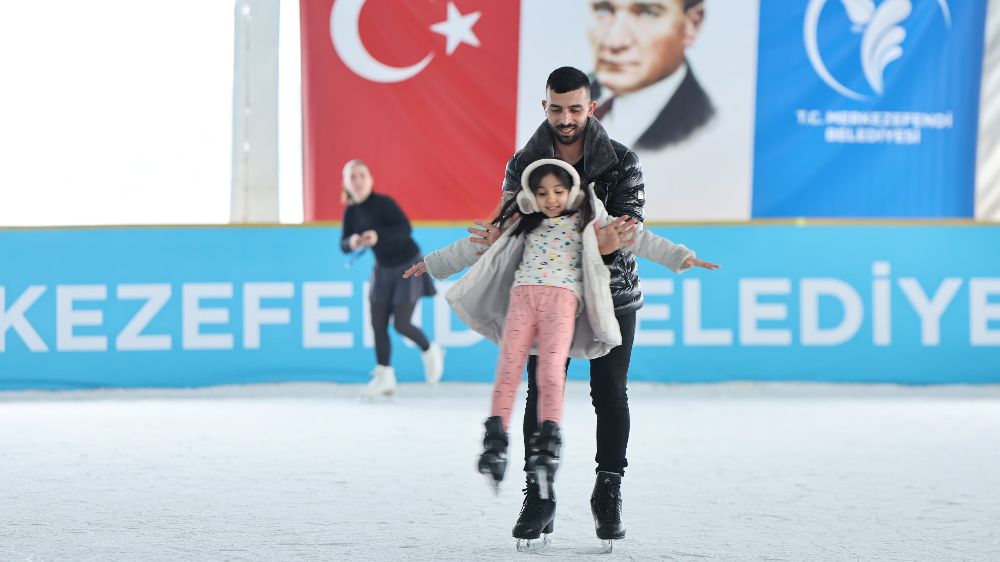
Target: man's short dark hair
567 79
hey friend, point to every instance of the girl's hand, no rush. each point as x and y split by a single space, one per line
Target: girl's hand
369 237
355 242
695 262
418 269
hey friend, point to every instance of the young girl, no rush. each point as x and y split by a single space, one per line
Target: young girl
375 221
542 288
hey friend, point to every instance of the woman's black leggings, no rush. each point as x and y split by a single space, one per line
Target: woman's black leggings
401 313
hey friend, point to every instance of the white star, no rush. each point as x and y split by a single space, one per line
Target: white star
457 28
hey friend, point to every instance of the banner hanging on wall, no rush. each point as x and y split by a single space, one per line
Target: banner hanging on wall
424 92
868 109
737 109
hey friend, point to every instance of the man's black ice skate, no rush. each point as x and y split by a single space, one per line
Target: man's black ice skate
537 516
544 458
493 461
606 506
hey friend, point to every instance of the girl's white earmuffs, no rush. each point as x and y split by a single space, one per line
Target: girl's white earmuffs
526 199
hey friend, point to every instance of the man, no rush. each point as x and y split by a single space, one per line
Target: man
647 94
570 134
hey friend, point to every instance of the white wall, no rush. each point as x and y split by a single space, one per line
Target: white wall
988 161
115 111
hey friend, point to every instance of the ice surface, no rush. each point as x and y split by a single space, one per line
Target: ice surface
734 471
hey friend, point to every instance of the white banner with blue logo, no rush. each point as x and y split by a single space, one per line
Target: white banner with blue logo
867 109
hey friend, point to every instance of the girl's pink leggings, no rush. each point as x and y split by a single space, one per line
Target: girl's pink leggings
546 315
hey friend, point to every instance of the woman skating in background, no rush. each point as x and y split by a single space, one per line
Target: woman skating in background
373 220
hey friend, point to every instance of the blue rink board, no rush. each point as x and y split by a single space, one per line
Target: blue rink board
193 306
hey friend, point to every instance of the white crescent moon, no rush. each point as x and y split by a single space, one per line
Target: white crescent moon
347 42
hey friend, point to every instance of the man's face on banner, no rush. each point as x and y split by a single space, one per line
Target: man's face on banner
639 42
567 113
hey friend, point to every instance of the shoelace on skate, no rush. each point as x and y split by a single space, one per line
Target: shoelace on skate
532 502
608 507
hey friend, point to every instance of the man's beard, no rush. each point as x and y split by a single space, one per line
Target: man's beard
565 140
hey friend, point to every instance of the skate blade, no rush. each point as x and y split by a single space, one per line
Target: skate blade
607 546
533 545
493 484
543 482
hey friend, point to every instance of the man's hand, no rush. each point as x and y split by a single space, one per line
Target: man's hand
369 238
616 235
695 262
417 270
487 233
355 242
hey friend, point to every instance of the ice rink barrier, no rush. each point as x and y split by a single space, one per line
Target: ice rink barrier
913 303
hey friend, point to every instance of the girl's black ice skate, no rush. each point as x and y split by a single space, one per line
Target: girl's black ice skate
493 461
544 458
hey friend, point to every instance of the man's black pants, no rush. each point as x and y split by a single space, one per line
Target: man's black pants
608 393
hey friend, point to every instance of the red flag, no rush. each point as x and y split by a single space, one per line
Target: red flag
424 91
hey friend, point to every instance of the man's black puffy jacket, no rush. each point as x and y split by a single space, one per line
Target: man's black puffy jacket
618 183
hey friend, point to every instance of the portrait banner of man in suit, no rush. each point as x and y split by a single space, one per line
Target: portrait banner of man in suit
639 64
674 80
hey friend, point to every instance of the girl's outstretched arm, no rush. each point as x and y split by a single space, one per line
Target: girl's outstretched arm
677 257
619 232
443 263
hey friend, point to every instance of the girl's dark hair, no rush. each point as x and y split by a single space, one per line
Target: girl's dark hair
529 222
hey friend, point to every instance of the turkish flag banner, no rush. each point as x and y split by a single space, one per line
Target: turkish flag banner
424 91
